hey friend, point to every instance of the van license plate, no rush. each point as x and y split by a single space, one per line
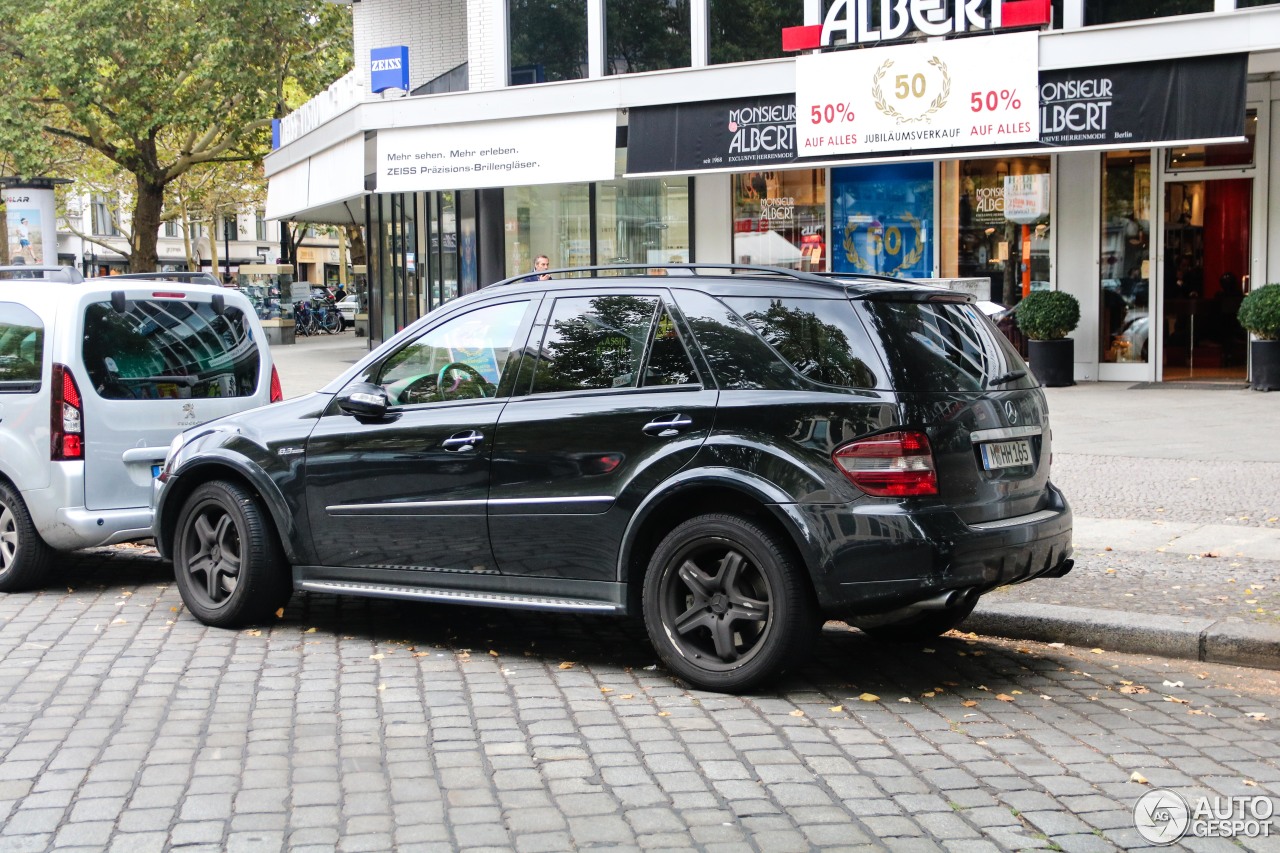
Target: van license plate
155 471
1006 454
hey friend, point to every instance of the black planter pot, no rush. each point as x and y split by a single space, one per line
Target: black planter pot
1053 362
1264 374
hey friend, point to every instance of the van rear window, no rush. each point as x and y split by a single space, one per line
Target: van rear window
21 349
169 349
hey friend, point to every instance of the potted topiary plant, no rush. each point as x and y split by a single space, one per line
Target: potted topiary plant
1047 317
1260 315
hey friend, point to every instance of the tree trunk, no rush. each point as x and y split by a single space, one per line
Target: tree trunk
146 226
355 236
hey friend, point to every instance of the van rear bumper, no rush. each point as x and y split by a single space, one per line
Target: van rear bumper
890 559
64 523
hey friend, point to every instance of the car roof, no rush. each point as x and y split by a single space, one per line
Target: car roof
732 280
191 277
46 272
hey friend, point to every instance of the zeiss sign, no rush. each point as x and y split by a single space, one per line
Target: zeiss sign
388 68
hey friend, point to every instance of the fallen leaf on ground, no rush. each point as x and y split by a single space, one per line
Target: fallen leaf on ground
969 703
869 697
906 700
1249 782
664 713
1138 777
254 632
1176 699
1257 715
1209 554
606 689
1005 697
568 664
280 613
797 713
627 696
378 656
1134 688
309 631
836 709
1096 651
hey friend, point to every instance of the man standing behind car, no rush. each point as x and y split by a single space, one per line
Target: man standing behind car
540 266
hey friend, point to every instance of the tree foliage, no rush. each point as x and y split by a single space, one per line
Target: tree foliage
161 87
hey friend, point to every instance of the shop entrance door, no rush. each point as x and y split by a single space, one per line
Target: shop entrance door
1206 264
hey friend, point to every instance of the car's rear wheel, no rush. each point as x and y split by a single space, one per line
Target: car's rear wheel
228 563
25 559
917 627
726 605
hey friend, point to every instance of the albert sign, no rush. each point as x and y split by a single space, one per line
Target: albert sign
851 22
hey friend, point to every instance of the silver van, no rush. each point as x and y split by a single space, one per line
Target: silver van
96 379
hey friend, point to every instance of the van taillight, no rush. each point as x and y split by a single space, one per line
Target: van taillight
890 465
66 417
277 393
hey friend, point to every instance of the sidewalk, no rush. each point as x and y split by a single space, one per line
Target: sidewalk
1176 494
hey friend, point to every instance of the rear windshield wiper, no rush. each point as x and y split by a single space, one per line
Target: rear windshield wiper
1006 377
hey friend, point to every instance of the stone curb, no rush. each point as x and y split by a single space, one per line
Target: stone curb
1213 641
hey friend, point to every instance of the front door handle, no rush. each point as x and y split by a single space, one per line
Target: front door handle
463 442
668 426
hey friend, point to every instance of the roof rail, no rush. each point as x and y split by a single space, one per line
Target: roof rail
671 269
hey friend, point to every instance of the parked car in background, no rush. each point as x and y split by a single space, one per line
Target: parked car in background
737 453
347 307
96 378
48 273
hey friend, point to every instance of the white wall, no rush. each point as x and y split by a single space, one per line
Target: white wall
713 219
435 31
1076 264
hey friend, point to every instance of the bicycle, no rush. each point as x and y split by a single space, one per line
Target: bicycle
328 319
304 318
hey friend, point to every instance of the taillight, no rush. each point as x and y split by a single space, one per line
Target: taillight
277 393
66 417
890 465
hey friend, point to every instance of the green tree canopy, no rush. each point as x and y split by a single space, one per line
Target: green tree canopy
159 87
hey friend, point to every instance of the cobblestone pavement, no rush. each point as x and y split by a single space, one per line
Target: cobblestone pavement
354 724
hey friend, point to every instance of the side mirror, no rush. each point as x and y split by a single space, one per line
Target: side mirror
364 400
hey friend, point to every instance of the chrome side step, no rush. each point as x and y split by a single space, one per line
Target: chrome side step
454 596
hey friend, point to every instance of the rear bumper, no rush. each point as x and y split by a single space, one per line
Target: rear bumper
64 524
882 558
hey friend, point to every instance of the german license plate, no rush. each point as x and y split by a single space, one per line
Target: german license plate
1005 454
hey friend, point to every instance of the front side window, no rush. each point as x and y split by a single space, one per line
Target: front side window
169 349
464 358
21 349
603 342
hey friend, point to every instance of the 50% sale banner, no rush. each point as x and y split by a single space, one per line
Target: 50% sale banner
929 95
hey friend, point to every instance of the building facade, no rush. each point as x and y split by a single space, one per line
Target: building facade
1125 152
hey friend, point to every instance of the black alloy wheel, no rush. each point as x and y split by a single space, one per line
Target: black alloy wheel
227 561
726 605
24 557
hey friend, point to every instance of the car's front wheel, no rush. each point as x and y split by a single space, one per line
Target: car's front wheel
726 605
228 563
24 557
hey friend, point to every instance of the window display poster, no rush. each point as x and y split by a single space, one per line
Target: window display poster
882 219
31 224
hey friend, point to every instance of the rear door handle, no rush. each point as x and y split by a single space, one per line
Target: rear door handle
668 426
463 442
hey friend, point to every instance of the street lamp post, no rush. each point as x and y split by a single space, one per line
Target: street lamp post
226 251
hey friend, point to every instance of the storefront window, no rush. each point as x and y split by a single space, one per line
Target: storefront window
744 30
643 221
647 35
1125 261
548 40
995 223
1113 11
1245 4
547 220
780 218
882 219
1220 154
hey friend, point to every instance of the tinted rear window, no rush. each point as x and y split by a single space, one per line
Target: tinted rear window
822 339
942 346
21 349
160 349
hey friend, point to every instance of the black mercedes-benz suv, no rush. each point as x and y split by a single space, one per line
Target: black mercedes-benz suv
736 453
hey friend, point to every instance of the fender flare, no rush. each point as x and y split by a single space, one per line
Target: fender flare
774 499
258 480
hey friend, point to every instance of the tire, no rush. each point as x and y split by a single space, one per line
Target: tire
918 627
227 561
709 570
25 559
